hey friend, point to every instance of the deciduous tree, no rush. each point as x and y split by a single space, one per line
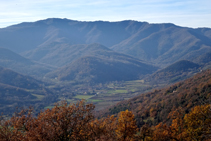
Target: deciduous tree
126 126
198 123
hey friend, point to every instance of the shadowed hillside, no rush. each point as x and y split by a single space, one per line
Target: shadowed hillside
101 70
21 91
164 44
63 54
203 59
175 72
15 62
12 78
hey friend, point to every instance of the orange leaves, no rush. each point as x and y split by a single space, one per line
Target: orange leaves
123 129
161 133
68 122
126 126
104 129
76 122
63 122
193 126
198 122
6 132
145 134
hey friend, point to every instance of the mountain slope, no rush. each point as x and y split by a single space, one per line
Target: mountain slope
22 65
154 107
62 54
12 78
100 70
20 91
203 59
13 97
165 44
175 72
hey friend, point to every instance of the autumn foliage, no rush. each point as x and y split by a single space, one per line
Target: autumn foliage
66 123
126 126
76 123
63 122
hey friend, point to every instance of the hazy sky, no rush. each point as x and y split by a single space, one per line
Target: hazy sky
189 13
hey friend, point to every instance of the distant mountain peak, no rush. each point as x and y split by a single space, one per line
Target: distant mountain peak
56 20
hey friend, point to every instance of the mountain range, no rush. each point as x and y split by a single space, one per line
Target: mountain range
54 45
47 55
161 44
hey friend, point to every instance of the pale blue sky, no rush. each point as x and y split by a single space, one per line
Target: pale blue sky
189 13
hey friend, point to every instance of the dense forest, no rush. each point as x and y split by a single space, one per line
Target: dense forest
76 122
